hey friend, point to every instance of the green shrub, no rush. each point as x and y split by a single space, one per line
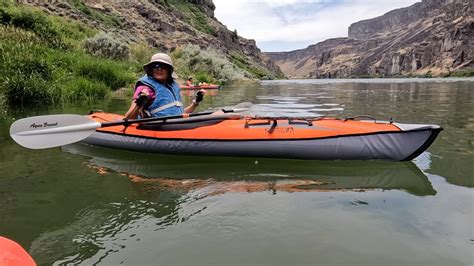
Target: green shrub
253 70
82 88
30 89
27 77
72 33
16 46
193 16
32 20
109 20
468 72
106 46
427 74
108 72
5 17
203 77
235 36
34 74
191 59
140 53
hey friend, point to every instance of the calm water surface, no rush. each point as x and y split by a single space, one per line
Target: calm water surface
82 205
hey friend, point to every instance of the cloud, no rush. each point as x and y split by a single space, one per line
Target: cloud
282 25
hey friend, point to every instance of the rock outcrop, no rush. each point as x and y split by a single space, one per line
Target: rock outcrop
433 37
163 24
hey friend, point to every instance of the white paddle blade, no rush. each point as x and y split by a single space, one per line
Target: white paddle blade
238 108
244 105
40 132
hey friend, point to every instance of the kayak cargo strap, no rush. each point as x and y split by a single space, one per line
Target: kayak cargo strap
365 117
300 122
273 123
247 124
360 117
272 128
291 121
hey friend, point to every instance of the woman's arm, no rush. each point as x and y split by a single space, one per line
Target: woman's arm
133 111
190 108
197 99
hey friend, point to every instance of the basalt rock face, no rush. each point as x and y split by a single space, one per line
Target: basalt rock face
164 24
432 37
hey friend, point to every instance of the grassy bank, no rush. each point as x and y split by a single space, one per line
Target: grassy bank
48 59
43 60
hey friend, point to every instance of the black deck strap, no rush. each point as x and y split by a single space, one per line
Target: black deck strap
188 123
272 128
308 122
304 118
291 120
294 122
358 117
93 111
195 119
311 120
126 123
247 124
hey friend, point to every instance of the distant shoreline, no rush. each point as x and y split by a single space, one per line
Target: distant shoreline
374 80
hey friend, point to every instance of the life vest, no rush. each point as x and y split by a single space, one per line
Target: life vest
167 100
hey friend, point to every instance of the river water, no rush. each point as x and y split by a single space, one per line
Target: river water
82 205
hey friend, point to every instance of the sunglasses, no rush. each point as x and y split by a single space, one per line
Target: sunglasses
160 66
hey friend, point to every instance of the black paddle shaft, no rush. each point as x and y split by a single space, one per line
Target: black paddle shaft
127 122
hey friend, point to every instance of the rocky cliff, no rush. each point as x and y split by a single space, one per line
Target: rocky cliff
432 37
163 24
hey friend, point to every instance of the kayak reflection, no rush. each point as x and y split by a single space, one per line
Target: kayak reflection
220 175
169 190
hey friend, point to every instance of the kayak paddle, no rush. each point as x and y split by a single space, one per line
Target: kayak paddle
47 131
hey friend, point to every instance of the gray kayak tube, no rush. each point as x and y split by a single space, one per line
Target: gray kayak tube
403 145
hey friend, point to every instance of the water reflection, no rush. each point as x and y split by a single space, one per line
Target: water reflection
217 175
73 209
163 192
96 229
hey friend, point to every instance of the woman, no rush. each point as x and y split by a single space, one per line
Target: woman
157 93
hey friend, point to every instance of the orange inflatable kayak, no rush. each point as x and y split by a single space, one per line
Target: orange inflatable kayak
198 87
293 138
12 254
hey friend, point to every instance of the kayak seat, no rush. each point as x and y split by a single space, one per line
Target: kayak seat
187 123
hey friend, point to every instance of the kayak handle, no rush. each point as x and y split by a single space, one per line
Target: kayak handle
360 117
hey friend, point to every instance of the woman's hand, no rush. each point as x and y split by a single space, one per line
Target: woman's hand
142 99
137 105
199 96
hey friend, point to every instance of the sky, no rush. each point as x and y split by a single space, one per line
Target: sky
287 25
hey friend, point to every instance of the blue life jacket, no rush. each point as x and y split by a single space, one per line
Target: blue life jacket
167 99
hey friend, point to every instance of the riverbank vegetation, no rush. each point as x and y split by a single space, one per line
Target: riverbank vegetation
48 59
44 60
207 65
468 72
